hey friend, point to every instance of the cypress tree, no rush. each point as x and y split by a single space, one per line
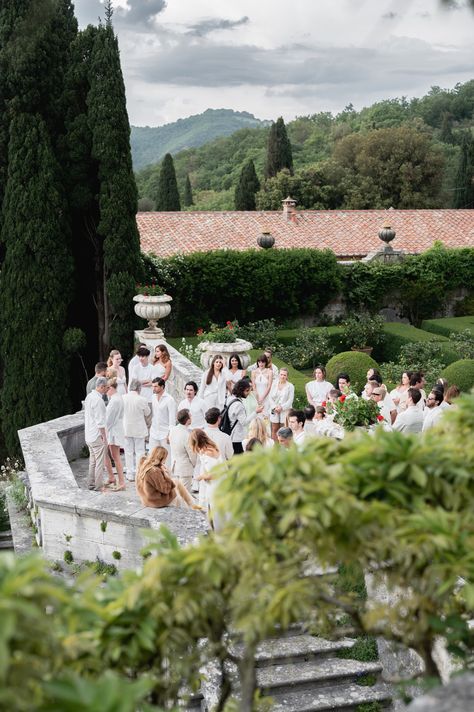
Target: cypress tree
104 193
167 198
188 193
464 185
246 188
279 154
35 282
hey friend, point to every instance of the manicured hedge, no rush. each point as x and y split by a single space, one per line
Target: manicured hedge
461 374
288 336
398 334
447 326
247 286
355 363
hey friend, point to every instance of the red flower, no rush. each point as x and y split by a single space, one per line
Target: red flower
380 418
342 399
324 404
228 322
200 331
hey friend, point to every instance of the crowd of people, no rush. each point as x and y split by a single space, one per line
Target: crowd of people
171 448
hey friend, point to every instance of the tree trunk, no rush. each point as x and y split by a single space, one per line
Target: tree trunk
248 679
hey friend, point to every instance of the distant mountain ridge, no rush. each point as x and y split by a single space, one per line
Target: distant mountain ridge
149 144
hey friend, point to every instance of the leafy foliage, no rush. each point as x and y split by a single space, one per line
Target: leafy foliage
463 343
220 334
247 187
261 333
464 186
361 330
279 154
351 412
354 363
425 356
461 374
309 348
188 193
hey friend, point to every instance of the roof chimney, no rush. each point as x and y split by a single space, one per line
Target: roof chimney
289 209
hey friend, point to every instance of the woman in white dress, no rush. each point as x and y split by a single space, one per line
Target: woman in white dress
210 456
281 401
262 379
234 372
400 393
114 362
317 390
213 385
114 426
162 363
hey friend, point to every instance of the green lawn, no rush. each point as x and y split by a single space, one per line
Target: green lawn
449 325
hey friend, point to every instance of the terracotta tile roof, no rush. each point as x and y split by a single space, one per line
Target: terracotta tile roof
349 233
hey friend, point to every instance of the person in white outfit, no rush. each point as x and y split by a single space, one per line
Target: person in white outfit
234 372
222 440
164 416
213 388
183 458
282 396
114 362
317 390
210 456
268 351
95 433
410 420
238 416
434 409
135 429
143 373
115 434
296 421
194 404
262 380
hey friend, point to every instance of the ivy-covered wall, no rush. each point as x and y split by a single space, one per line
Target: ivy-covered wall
288 284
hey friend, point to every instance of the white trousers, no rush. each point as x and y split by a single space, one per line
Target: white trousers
153 442
134 451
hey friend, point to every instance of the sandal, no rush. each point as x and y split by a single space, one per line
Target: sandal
120 488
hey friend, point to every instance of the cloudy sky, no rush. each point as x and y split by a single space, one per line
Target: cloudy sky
273 57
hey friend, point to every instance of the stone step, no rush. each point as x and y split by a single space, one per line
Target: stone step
298 648
337 699
6 535
6 540
312 675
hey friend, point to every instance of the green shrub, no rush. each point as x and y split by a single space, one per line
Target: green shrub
460 373
311 346
362 331
463 343
260 333
398 334
354 363
448 325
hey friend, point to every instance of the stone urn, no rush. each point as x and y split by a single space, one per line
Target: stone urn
212 348
152 309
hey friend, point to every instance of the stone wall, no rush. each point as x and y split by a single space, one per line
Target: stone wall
87 524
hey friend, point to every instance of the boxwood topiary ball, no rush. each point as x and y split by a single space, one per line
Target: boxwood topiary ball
460 374
355 363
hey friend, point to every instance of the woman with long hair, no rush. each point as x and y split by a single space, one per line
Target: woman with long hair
234 372
281 401
162 363
257 429
317 390
213 384
114 362
114 425
210 456
155 486
262 379
400 393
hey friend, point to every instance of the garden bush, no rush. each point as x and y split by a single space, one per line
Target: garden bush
448 325
463 343
261 333
398 335
311 346
461 374
354 363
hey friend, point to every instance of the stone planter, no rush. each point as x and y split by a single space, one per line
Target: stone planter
152 309
366 350
212 348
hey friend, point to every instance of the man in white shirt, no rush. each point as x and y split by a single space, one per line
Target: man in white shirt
410 420
296 424
135 412
285 437
385 403
164 415
195 405
183 459
95 435
143 373
134 361
222 440
417 380
433 410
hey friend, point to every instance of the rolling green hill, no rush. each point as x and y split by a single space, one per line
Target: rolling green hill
149 144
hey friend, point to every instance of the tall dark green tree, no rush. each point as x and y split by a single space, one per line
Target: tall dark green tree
464 185
188 193
279 154
247 187
35 282
167 197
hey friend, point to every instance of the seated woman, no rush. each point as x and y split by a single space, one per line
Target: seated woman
155 486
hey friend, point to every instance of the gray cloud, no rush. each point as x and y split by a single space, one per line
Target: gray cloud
139 12
397 65
88 12
205 27
390 16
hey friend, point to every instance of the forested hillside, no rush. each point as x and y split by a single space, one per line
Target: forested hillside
149 144
396 153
